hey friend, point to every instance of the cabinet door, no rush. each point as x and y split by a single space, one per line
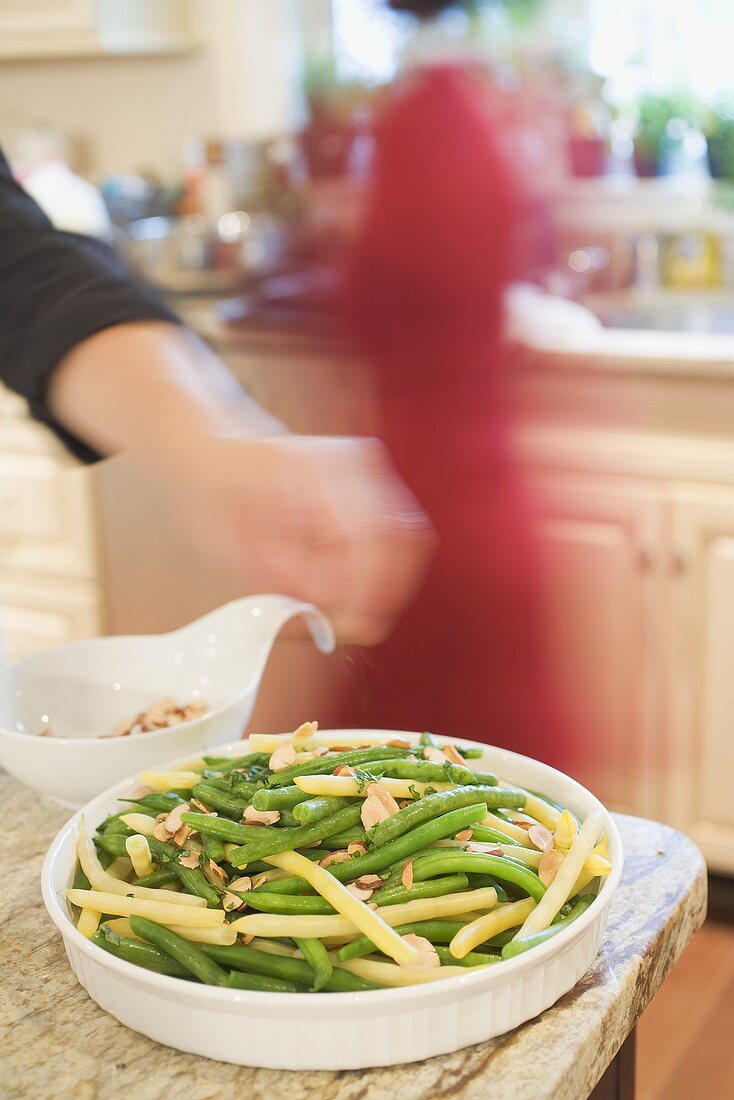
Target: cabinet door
600 539
700 796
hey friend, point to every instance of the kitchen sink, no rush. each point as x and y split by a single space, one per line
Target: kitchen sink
707 311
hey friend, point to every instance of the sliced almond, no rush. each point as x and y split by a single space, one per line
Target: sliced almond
190 860
541 837
343 770
368 882
436 756
396 743
428 955
283 757
340 856
362 895
260 817
455 757
216 871
142 791
305 731
160 832
180 837
485 849
173 820
465 834
406 876
230 902
548 866
245 938
243 884
378 790
356 848
373 812
322 750
196 805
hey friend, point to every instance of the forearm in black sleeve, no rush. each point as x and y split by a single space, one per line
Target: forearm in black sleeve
56 289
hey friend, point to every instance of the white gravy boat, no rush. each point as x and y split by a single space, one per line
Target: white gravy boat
84 689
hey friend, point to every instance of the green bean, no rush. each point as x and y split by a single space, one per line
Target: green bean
343 840
313 809
432 888
274 841
433 930
279 798
213 849
222 828
518 946
403 846
116 827
283 966
473 958
426 771
237 980
138 952
284 886
469 753
81 882
429 741
433 804
287 820
447 861
222 801
485 834
161 877
195 882
160 801
228 763
318 959
324 765
295 904
185 953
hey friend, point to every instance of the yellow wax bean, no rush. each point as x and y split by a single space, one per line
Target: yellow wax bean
342 786
319 927
104 881
513 831
489 925
139 851
535 807
139 823
374 970
88 922
161 911
566 876
222 936
369 922
170 781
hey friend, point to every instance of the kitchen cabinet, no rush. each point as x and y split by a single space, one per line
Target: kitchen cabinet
701 765
77 28
600 541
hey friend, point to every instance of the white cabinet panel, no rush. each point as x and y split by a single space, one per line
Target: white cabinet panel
600 540
37 614
702 670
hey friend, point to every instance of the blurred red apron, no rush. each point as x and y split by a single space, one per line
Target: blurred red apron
424 300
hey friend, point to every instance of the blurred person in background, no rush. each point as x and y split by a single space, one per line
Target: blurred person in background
103 361
424 297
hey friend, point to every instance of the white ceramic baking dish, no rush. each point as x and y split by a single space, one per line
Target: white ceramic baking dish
335 1031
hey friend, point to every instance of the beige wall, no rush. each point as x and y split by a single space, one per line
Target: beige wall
134 113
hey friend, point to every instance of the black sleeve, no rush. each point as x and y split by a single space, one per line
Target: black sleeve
56 289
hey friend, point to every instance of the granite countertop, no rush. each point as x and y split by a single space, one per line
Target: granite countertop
57 1043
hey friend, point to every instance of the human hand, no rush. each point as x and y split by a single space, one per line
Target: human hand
322 519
